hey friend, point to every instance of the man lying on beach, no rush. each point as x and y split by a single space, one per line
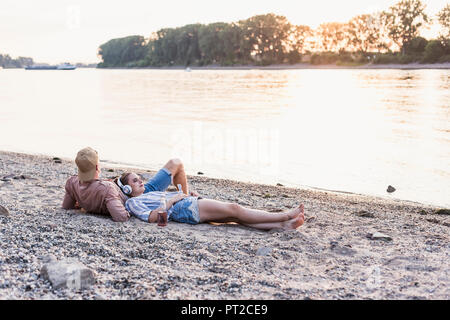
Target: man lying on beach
193 209
86 190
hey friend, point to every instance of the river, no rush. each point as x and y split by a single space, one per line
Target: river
346 130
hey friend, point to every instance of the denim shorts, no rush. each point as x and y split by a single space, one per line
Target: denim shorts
185 211
160 181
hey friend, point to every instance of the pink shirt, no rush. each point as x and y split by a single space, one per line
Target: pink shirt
96 196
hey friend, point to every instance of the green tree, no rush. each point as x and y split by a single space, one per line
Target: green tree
331 36
364 33
211 43
298 34
416 46
188 50
433 51
265 36
296 42
120 51
404 21
164 47
7 62
232 37
444 20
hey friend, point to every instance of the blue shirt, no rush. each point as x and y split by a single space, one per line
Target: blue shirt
141 206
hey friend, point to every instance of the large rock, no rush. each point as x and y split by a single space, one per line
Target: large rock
68 274
442 211
390 189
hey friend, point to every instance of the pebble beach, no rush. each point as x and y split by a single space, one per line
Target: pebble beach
350 246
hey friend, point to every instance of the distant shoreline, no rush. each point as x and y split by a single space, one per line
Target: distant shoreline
298 66
410 66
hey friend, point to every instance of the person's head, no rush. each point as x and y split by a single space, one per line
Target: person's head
88 165
134 182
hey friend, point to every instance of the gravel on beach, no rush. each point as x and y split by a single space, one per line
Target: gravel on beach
350 246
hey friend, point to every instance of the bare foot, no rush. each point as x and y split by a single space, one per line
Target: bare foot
300 210
297 219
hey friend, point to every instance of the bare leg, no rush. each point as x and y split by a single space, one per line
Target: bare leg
218 211
286 225
175 166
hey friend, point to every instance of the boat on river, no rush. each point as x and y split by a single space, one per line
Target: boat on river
40 67
62 66
66 66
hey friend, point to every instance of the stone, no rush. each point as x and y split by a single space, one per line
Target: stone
379 236
390 189
58 161
442 211
19 177
342 250
263 251
200 173
68 274
280 185
365 214
3 211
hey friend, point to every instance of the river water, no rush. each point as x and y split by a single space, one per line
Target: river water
345 130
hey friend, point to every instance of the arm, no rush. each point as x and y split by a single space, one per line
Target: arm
140 211
115 205
117 210
153 216
175 199
69 201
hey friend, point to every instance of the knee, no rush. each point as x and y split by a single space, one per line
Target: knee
176 162
174 165
235 209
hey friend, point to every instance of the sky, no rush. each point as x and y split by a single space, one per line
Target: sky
55 31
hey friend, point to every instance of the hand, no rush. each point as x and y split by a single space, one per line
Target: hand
177 198
194 194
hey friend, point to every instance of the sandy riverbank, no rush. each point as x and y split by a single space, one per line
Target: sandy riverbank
331 256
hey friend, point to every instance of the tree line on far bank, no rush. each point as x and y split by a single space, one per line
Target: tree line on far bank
390 36
7 62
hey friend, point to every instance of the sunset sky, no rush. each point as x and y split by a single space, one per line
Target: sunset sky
55 31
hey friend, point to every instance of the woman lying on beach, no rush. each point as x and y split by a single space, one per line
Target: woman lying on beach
193 209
